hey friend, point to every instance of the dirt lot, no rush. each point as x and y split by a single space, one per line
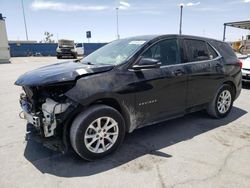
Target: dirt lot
193 151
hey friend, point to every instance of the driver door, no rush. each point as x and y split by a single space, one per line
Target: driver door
163 90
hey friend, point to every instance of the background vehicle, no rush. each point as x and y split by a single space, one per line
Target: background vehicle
79 49
128 84
245 60
242 46
66 48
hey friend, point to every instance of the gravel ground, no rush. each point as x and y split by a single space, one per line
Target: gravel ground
193 151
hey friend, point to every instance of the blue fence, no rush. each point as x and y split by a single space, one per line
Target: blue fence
29 49
91 47
45 49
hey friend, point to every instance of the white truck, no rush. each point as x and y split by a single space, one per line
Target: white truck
66 48
4 45
79 49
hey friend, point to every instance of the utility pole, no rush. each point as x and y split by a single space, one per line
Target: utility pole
224 32
117 23
122 5
24 19
180 31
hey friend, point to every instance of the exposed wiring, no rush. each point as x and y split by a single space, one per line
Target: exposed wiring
51 114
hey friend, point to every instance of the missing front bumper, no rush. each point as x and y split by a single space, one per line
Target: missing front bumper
53 143
47 125
45 120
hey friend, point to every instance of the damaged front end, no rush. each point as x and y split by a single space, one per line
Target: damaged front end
45 105
46 109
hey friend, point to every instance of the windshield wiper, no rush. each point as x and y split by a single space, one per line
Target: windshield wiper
88 63
78 60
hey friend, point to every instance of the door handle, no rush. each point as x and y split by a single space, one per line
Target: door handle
178 72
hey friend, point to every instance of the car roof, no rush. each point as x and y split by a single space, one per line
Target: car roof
153 37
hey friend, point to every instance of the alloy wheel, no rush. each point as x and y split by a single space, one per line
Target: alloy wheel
224 101
101 134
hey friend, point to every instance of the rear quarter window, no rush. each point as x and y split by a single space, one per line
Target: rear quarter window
225 51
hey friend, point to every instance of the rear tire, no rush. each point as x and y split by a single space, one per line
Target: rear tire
97 132
222 103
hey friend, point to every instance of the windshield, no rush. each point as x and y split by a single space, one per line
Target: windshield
66 43
115 52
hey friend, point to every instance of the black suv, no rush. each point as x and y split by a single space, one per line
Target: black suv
91 103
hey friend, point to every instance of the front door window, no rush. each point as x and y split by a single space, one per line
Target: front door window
166 51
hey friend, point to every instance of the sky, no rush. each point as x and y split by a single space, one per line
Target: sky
71 19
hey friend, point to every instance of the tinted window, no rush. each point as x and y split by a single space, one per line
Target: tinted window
79 45
212 52
166 51
225 50
197 50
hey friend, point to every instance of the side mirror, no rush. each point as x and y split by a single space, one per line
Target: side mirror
147 63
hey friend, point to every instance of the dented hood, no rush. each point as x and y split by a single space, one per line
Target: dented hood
60 72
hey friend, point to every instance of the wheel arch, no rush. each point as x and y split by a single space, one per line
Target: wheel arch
116 105
231 83
106 101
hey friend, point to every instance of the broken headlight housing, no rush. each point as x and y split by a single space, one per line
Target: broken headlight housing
41 105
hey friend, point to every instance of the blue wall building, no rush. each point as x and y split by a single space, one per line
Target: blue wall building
23 49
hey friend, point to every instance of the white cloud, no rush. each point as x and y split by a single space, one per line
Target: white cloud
58 6
123 5
190 4
238 2
123 8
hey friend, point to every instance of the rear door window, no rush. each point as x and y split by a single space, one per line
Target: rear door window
197 50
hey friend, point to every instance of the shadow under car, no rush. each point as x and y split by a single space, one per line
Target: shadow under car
147 140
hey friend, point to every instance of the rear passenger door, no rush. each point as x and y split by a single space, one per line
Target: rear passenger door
204 70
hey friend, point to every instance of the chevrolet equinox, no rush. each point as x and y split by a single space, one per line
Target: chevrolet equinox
89 104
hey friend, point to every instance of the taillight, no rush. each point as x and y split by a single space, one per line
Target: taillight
239 62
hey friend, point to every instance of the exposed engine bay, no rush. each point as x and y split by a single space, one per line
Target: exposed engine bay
43 107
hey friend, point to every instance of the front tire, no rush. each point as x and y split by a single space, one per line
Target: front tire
97 132
74 56
222 103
